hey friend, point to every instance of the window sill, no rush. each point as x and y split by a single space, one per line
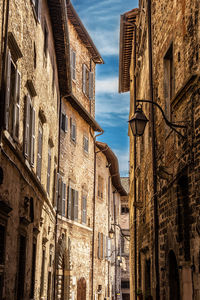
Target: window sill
74 223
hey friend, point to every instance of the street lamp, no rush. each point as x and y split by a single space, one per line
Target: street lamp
139 120
111 232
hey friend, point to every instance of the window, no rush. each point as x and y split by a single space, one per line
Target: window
60 194
88 82
125 285
49 169
12 98
168 80
42 272
21 267
124 210
45 38
72 204
64 122
85 144
100 187
73 63
73 130
37 8
101 245
84 209
33 270
29 130
39 152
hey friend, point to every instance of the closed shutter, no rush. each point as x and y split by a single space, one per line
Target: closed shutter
63 198
56 175
69 203
60 192
103 245
27 126
39 154
7 96
39 4
91 85
32 146
109 249
16 106
76 206
84 78
73 130
49 170
66 123
73 64
84 209
99 245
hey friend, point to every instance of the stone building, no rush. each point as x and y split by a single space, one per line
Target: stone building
107 249
125 240
159 62
32 42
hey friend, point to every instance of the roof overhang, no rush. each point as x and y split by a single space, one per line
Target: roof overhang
83 112
83 34
113 167
58 14
127 29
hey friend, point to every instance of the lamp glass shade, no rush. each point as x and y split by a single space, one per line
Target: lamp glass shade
111 233
138 122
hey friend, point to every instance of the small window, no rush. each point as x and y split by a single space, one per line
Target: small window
64 122
84 209
73 130
85 144
88 82
29 130
73 64
100 187
45 38
39 153
72 204
124 210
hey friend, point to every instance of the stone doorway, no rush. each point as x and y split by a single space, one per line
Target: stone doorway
174 285
81 289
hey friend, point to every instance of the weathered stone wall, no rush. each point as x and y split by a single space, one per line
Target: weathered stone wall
172 22
32 214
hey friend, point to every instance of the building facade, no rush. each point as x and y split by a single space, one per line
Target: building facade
162 66
30 90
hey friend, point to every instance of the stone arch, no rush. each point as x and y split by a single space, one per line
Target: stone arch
173 277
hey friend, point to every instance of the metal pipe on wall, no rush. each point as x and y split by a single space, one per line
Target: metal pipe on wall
154 162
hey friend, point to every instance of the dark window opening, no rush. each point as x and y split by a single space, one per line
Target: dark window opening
33 271
124 210
45 38
169 81
125 284
42 273
21 267
2 244
64 122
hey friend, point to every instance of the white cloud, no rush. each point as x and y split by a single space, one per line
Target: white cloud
123 159
107 85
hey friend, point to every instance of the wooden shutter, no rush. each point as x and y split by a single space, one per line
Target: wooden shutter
39 10
73 64
72 130
16 106
60 191
84 78
32 146
84 209
103 245
69 203
99 245
27 126
7 94
91 85
39 153
66 123
76 206
49 170
63 198
55 187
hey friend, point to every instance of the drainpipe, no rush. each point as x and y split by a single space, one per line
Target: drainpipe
56 225
94 211
135 165
154 162
3 67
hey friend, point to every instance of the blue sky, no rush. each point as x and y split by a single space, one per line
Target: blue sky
102 20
